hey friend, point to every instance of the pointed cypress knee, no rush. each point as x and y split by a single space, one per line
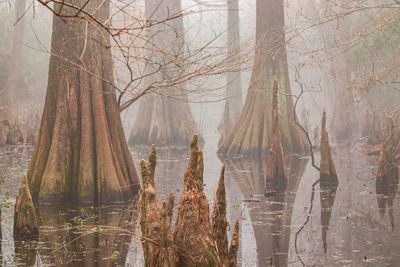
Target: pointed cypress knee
155 222
25 220
219 223
328 182
233 250
276 169
194 242
192 233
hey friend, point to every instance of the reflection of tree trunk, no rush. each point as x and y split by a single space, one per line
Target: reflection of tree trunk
10 87
251 133
271 221
162 120
81 152
327 197
328 181
102 239
233 102
387 178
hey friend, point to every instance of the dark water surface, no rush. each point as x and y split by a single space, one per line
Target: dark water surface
345 219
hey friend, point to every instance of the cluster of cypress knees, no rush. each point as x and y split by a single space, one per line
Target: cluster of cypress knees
196 238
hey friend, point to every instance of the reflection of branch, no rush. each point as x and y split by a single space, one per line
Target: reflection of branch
312 163
306 221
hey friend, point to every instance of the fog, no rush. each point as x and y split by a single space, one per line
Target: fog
298 100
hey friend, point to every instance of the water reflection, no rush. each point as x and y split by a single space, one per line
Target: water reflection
270 205
328 187
386 190
85 237
357 235
170 168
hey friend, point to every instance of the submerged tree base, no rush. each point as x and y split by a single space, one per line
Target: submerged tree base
194 241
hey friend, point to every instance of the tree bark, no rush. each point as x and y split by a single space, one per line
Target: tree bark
276 167
194 241
81 153
162 119
9 133
251 133
233 93
25 220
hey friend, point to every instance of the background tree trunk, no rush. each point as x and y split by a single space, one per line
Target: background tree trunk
8 131
251 133
81 152
161 119
233 93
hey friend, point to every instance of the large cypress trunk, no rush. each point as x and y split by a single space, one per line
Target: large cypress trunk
251 133
81 152
164 118
233 102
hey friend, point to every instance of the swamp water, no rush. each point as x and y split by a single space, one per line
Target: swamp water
351 229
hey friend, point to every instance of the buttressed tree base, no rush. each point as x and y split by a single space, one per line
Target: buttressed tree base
81 153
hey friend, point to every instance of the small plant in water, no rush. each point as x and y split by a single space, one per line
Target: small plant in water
114 256
81 221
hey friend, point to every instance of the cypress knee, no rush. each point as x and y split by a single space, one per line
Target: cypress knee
25 221
195 241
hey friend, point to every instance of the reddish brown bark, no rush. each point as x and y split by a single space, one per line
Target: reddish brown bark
164 118
276 168
219 223
233 249
194 241
81 153
25 221
251 133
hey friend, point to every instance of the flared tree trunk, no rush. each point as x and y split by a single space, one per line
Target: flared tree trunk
9 131
164 118
251 133
233 94
81 153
